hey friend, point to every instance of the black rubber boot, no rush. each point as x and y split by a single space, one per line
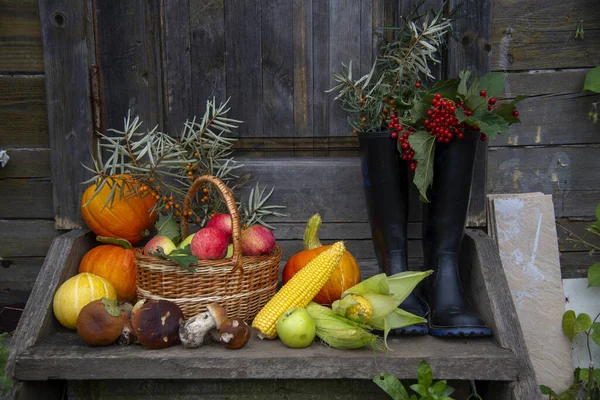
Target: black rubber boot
386 189
443 229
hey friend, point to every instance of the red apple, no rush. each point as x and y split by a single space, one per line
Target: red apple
209 244
222 222
257 240
163 242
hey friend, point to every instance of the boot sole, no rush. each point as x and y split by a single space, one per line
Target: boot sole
460 332
412 330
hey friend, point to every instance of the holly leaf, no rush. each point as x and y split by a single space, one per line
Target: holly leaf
464 79
492 83
178 256
592 80
595 335
423 144
392 386
593 275
573 325
166 225
424 374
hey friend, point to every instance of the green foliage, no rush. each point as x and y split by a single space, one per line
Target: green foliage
572 325
5 382
592 80
424 146
424 389
167 225
180 256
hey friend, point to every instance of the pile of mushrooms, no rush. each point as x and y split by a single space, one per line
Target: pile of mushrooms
158 324
213 324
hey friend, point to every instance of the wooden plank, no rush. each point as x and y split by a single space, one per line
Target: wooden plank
469 48
243 65
344 47
26 198
491 296
330 231
523 40
23 110
26 238
575 265
207 27
572 232
20 39
27 163
303 96
37 322
321 81
67 58
64 356
559 170
19 273
129 47
293 389
176 64
276 39
556 111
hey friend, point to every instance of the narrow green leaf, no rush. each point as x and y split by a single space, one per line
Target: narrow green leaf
420 389
425 376
592 80
596 333
182 260
391 385
594 228
594 275
492 83
423 144
464 80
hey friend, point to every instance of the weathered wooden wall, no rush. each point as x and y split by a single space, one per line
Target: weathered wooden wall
555 150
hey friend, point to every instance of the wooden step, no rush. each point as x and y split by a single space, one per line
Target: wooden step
64 356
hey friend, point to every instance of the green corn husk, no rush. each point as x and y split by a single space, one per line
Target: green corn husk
385 294
340 332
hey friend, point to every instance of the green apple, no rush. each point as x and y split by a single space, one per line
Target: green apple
186 241
296 328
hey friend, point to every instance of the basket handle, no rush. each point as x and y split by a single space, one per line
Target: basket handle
231 207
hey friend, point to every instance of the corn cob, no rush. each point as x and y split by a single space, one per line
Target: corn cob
299 290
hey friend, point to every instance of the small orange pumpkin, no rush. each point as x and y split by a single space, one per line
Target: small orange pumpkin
127 217
346 275
115 263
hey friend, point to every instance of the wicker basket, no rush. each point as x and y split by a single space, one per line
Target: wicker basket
242 285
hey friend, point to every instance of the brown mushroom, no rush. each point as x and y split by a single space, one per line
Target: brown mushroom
195 331
100 322
156 323
235 333
127 336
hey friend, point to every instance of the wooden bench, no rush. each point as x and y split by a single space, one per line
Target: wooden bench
45 355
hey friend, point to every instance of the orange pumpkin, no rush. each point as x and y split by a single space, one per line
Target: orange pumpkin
346 275
128 216
115 263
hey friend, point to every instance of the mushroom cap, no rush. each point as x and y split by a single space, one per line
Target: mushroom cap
156 323
218 312
97 326
234 333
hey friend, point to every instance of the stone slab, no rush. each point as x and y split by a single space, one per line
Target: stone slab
525 230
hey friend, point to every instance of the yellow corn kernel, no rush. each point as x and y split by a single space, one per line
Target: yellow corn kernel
299 290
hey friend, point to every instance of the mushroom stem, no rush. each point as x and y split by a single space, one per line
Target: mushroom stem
195 330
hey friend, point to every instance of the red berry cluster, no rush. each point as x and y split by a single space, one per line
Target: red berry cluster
442 121
397 133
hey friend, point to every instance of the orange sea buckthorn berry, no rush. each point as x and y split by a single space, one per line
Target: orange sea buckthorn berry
354 131
177 213
165 198
151 179
392 101
171 198
198 220
363 119
167 207
157 197
204 190
190 173
196 154
176 206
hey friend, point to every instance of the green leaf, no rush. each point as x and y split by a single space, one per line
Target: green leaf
594 275
124 243
419 111
403 283
489 123
592 80
492 83
596 334
594 228
573 325
447 89
423 144
506 112
584 374
475 102
391 385
111 307
546 390
166 225
441 388
178 256
425 376
420 389
464 79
